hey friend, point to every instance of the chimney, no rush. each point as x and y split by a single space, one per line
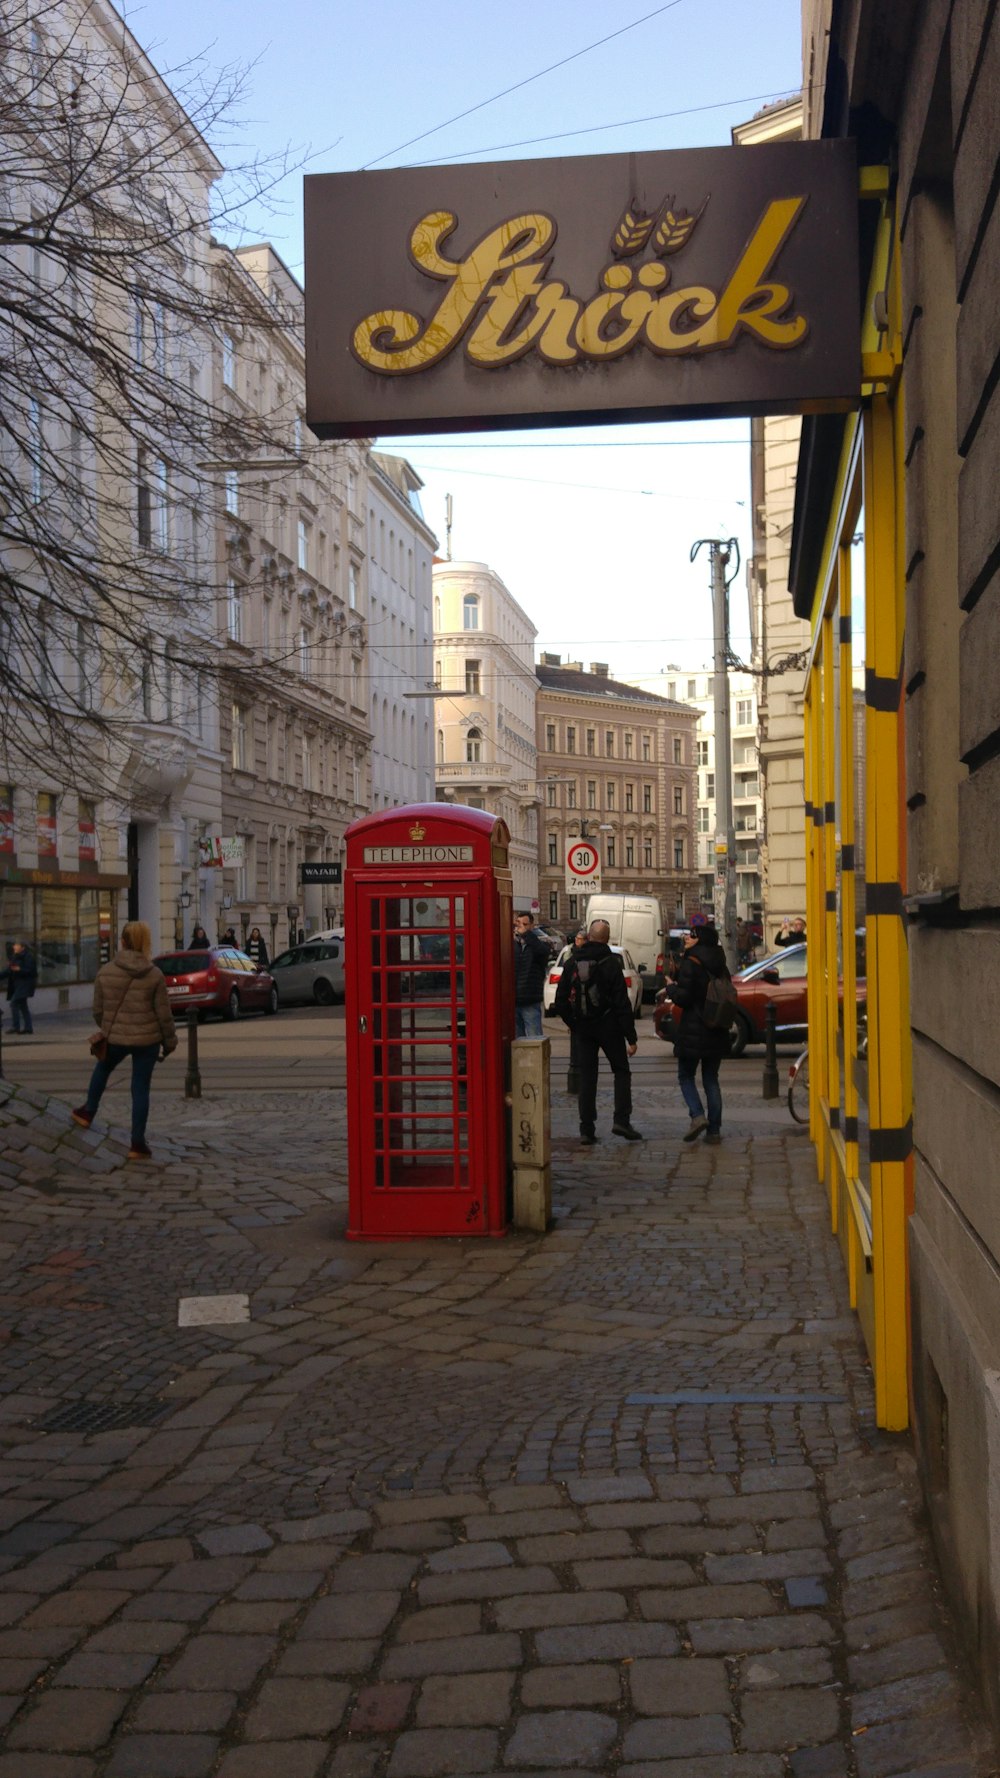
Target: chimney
574 666
599 669
551 660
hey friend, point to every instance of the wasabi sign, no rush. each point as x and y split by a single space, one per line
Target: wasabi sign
604 287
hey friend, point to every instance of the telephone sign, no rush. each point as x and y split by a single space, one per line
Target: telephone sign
583 867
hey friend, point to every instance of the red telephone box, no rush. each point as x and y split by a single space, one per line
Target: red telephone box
430 1016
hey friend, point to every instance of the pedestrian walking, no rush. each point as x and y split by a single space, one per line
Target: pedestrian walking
593 1001
133 1016
229 938
531 962
200 940
22 979
696 1041
257 949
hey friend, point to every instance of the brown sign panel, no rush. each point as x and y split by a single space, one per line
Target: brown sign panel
593 288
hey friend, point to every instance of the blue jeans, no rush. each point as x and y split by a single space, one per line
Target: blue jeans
143 1062
686 1072
528 1020
20 1009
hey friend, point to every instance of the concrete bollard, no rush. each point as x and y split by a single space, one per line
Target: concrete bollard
531 1132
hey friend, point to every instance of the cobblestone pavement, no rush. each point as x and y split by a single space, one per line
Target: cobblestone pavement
609 1500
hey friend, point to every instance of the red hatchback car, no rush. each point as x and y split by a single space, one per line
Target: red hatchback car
221 980
779 980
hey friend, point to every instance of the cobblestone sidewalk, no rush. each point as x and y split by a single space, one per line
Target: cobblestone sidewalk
609 1500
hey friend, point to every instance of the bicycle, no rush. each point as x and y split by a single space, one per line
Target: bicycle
798 1088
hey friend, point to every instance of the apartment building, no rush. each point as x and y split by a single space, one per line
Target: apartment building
484 711
696 689
400 634
291 568
616 764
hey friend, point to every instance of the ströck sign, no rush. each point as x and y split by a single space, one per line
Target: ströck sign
720 280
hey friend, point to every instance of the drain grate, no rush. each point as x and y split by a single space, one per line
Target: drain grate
105 1416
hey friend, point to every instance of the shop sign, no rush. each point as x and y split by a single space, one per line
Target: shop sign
221 852
419 854
319 873
7 819
597 287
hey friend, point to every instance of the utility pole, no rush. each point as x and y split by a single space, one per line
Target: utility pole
725 830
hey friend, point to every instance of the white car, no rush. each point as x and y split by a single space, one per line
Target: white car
633 980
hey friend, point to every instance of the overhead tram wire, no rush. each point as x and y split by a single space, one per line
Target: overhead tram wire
518 84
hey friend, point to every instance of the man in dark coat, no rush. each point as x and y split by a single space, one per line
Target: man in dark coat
593 1001
702 958
22 975
531 962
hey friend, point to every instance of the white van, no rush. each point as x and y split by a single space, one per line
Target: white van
639 925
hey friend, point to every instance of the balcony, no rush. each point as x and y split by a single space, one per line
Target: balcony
478 772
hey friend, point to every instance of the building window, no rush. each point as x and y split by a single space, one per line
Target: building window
611 852
591 740
628 744
239 738
574 907
678 751
703 818
234 610
305 649
440 746
474 746
144 501
352 585
228 361
571 740
571 796
647 799
609 743
671 688
550 796
692 690
710 786
591 793
647 854
307 763
744 712
86 830
232 492
610 796
645 748
553 904
553 848
678 799
302 534
550 737
470 612
472 686
701 753
678 854
629 854
629 797
46 822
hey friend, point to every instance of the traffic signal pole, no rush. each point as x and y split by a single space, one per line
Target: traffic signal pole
725 830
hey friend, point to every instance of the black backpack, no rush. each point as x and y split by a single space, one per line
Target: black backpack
585 996
721 1001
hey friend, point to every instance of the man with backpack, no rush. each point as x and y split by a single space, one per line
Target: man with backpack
593 1001
703 989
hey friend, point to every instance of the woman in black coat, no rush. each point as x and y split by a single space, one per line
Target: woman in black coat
703 958
257 949
200 940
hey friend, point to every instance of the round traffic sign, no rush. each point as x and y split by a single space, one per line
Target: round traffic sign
583 858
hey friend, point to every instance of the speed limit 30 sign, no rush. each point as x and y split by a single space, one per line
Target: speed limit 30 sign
583 867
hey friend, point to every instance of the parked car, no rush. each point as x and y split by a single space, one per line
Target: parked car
781 980
220 980
313 971
633 980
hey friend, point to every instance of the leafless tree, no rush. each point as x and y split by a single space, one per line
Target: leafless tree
113 447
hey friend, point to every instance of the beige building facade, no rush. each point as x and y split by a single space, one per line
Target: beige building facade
777 635
616 764
484 710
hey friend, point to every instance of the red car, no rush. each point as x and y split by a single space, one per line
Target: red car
779 980
220 980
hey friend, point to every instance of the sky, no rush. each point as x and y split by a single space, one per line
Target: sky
589 528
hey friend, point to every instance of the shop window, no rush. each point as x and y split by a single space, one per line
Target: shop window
47 808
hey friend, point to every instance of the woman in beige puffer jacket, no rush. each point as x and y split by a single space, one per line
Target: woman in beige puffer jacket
133 1013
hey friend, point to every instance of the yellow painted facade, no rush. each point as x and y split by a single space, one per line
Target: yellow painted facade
859 1031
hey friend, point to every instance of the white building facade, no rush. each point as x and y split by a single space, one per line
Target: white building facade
696 688
484 713
400 633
